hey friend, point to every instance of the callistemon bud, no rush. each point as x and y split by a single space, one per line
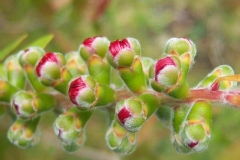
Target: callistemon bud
95 45
218 72
133 112
24 133
69 126
27 105
180 46
86 93
196 132
120 140
123 52
49 67
75 64
30 56
15 73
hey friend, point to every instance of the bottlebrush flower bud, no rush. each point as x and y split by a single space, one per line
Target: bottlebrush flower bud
180 46
24 133
75 64
69 126
86 93
133 112
196 132
122 52
220 71
15 73
49 68
27 105
30 56
95 45
120 140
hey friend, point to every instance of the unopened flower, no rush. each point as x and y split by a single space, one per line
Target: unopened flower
120 140
95 45
24 133
180 46
133 112
86 93
28 104
69 126
122 52
165 73
49 67
30 56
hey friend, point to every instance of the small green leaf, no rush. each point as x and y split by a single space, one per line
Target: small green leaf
9 48
42 41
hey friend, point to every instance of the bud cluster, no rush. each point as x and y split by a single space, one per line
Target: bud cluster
114 77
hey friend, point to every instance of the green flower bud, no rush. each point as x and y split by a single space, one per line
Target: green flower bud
27 105
75 64
24 133
51 71
86 93
15 73
30 56
220 71
180 46
166 76
196 133
69 127
120 140
122 53
95 45
133 112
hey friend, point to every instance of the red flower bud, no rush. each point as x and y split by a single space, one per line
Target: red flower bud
48 58
117 46
161 64
123 115
75 87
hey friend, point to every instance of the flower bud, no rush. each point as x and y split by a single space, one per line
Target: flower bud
30 56
166 76
133 112
95 45
120 140
196 133
27 105
86 93
48 69
69 126
220 71
122 53
15 73
51 71
75 64
24 133
180 46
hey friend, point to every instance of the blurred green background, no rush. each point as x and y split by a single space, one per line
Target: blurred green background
213 25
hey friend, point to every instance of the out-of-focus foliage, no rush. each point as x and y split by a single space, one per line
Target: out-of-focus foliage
213 26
